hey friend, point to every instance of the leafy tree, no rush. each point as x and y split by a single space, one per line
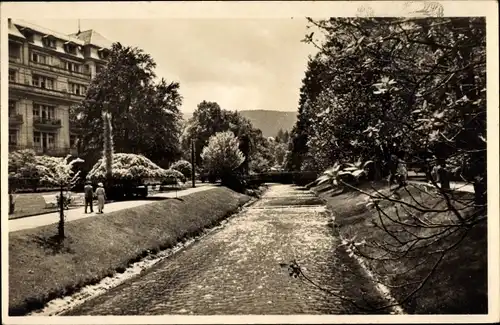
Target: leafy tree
396 91
282 137
277 150
209 118
377 100
146 116
222 155
279 154
59 172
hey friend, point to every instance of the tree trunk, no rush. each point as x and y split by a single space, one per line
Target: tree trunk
444 178
11 203
193 176
377 171
480 196
61 215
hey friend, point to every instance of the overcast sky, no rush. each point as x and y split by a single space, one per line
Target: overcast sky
241 64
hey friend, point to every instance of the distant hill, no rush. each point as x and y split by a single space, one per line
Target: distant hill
268 121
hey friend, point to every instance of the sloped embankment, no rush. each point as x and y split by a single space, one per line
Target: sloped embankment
40 269
459 282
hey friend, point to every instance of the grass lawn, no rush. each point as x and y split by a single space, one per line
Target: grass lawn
40 269
459 284
31 204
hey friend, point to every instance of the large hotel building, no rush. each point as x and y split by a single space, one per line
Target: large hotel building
48 73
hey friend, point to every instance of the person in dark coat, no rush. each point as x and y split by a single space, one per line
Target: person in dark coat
89 196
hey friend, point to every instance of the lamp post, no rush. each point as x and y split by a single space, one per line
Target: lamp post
192 164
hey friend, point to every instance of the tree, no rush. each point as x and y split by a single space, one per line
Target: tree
209 118
312 85
277 150
59 172
145 114
376 100
282 137
395 91
222 156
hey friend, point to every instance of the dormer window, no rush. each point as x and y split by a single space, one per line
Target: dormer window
71 48
49 41
28 33
103 54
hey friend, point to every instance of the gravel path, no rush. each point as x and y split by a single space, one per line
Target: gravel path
79 213
237 269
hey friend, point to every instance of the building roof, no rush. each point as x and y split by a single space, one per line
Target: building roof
94 38
46 31
14 31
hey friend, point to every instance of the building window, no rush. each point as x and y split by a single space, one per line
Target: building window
43 82
51 140
13 137
77 89
12 75
30 36
37 139
39 58
70 66
98 68
44 140
12 107
103 54
14 50
71 48
44 111
49 42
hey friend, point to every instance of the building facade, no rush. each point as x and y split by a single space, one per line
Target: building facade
48 74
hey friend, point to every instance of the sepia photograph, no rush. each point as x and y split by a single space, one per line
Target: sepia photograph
301 162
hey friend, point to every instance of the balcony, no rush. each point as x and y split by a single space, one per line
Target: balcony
15 120
15 59
61 93
46 123
59 70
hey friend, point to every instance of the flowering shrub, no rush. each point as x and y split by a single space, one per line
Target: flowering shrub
172 176
182 166
59 171
131 167
26 169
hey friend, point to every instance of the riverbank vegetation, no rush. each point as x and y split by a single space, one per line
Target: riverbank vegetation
385 95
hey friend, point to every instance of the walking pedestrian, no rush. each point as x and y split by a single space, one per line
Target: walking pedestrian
89 196
101 197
